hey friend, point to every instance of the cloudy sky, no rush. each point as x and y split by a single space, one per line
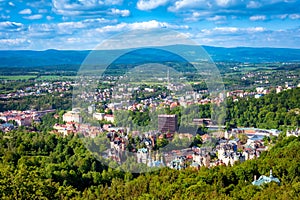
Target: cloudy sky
82 24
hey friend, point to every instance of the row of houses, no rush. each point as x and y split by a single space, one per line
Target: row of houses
259 91
40 89
23 118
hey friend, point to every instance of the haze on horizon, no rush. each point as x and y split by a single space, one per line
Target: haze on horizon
83 24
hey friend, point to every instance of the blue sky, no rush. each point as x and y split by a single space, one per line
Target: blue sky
82 24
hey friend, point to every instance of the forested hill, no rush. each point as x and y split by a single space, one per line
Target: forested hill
27 58
44 166
272 111
253 55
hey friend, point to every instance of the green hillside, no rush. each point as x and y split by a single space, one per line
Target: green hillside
44 166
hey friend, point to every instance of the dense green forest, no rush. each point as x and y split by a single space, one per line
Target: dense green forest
271 111
45 166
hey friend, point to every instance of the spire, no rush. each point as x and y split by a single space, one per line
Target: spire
168 77
162 161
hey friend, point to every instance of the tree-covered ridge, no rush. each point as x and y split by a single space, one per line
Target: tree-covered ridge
271 111
45 166
72 59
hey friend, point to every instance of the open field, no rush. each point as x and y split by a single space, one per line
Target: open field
38 78
14 78
54 77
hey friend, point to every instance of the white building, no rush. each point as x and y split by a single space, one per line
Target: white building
295 133
109 118
98 116
72 116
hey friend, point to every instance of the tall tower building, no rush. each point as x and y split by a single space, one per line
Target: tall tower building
167 123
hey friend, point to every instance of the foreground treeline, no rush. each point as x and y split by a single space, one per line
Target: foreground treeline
45 166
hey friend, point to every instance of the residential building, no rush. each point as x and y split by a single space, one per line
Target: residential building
98 116
167 123
109 118
72 116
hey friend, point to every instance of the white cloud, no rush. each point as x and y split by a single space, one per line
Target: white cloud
242 36
205 15
34 17
231 30
83 7
11 4
294 16
49 17
123 13
74 40
283 16
242 8
195 16
70 35
150 4
189 4
38 3
11 26
79 28
112 28
148 25
2 16
26 11
255 29
258 18
42 11
226 29
38 28
216 18
66 26
212 5
253 4
225 3
139 25
13 42
135 35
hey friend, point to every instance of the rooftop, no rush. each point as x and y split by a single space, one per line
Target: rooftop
265 179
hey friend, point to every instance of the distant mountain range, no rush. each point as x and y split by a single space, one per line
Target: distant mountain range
253 55
26 58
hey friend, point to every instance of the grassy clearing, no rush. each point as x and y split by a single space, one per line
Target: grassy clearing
40 78
54 77
15 78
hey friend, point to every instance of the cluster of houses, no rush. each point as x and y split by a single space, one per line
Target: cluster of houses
227 150
40 89
118 96
73 124
259 91
224 152
142 149
14 118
